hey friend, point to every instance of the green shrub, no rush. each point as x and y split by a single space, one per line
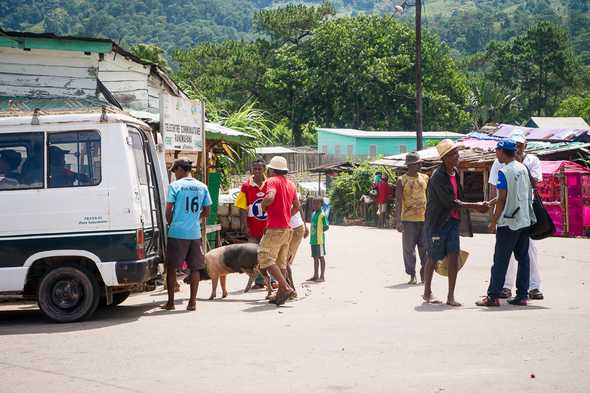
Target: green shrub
347 189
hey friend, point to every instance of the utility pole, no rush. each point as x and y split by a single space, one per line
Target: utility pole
419 124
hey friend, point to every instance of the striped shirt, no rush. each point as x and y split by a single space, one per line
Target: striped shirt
319 225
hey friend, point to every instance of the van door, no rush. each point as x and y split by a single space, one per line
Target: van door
149 197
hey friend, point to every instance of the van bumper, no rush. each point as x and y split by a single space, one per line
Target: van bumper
137 272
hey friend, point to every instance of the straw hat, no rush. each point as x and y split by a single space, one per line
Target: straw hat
444 147
442 267
278 163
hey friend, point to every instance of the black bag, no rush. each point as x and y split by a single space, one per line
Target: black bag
544 226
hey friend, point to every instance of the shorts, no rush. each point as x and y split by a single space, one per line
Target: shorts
296 239
382 208
445 242
180 250
274 248
318 250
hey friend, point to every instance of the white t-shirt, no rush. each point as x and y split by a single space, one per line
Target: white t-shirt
296 221
530 161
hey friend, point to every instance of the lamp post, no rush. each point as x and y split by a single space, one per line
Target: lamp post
399 9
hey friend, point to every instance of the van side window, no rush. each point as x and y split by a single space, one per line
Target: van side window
21 161
138 154
73 159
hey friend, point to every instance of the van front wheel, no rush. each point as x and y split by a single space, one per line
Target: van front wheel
68 294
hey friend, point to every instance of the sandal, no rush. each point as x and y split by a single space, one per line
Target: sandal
536 294
506 293
487 301
518 301
281 298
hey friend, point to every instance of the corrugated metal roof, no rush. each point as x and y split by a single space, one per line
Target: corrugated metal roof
481 151
390 134
274 150
15 106
560 122
544 133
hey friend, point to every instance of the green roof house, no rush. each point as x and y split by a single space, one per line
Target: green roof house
358 144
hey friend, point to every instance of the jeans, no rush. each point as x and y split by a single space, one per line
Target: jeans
508 242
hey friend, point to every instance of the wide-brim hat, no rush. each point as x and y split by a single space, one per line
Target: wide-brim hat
445 146
413 159
278 163
442 267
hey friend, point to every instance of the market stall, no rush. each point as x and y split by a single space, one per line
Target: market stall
565 191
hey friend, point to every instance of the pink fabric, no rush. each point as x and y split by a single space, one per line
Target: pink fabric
455 214
578 188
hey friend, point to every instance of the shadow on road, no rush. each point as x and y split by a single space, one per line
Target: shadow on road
429 307
29 320
403 286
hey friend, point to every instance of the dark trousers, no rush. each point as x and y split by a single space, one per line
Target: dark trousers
413 236
507 242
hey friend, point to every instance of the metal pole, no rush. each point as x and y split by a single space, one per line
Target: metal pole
419 125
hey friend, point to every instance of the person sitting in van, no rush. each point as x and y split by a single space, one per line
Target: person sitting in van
188 202
59 174
9 162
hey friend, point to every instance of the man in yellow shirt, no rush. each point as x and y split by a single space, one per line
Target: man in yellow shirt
410 196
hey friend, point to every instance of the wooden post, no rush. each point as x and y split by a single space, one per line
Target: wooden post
564 202
486 186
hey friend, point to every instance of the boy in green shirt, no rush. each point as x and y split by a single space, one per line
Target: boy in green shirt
319 225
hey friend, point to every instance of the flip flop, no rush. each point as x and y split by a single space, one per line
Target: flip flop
191 308
282 297
431 300
167 307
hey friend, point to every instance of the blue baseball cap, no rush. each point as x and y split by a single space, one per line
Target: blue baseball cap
507 144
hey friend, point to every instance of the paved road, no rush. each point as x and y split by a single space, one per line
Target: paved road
361 331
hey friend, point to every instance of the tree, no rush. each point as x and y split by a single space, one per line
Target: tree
575 106
292 23
229 74
361 74
490 103
539 64
152 53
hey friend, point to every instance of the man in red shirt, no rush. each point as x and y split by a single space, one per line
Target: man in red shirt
249 202
280 203
384 193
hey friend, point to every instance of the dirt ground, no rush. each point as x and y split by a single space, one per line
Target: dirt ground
363 330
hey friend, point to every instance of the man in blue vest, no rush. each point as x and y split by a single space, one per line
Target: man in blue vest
513 215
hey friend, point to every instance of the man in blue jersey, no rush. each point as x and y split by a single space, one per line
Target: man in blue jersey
188 202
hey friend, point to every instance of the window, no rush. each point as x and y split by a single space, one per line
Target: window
349 151
403 148
372 151
73 159
325 149
138 154
337 151
21 160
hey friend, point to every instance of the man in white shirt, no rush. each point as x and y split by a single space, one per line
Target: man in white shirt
300 231
533 164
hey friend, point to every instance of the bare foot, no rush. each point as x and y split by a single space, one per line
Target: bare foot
192 306
314 278
430 299
212 296
224 295
453 303
168 306
321 279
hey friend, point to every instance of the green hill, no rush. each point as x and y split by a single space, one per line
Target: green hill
466 26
